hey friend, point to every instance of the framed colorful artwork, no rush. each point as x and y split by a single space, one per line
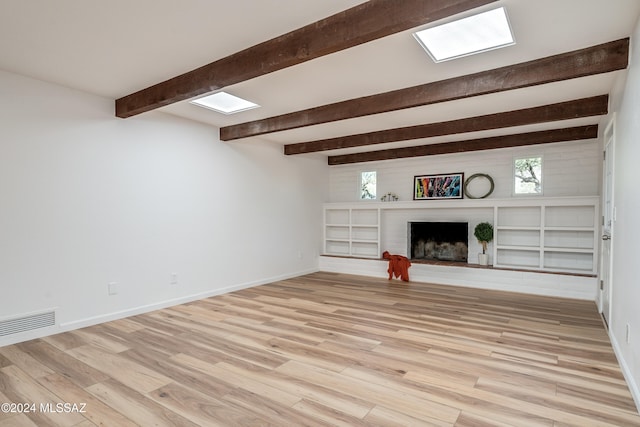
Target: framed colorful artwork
431 187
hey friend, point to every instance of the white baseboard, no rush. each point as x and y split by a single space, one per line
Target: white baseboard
633 386
107 317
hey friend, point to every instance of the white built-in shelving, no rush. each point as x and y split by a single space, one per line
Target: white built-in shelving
550 235
546 234
352 231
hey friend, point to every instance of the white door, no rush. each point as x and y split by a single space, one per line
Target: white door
608 215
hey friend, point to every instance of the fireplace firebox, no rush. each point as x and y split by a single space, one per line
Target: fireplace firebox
445 241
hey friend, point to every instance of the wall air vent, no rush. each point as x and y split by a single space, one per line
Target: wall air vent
27 323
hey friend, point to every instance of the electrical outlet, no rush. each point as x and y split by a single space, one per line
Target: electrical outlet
173 279
628 334
113 288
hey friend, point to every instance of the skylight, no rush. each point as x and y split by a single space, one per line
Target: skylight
224 103
474 34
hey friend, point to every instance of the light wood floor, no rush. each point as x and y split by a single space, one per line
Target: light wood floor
328 349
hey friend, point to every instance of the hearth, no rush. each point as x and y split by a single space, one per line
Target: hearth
446 241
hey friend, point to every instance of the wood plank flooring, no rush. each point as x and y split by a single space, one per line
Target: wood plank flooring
329 350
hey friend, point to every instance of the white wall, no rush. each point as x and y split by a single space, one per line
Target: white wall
625 302
87 199
569 169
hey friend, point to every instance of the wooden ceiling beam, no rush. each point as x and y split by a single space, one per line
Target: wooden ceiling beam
491 143
360 24
598 59
586 107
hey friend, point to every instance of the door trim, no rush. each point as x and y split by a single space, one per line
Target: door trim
609 135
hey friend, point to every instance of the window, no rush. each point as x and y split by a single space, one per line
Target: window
527 172
474 34
224 103
368 185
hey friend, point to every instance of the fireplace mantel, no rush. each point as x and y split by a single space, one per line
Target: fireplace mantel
467 203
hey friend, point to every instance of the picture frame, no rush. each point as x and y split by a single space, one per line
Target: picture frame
437 187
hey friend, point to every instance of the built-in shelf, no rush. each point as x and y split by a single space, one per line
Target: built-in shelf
519 248
546 234
352 231
503 227
556 234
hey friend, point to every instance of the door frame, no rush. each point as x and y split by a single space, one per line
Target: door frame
609 137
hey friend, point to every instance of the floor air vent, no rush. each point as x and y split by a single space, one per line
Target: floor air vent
27 323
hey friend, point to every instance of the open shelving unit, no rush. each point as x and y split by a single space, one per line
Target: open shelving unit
353 231
547 234
557 235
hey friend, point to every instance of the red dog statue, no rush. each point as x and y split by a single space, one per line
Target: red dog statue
398 266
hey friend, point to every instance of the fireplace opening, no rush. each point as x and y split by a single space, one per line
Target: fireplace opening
446 241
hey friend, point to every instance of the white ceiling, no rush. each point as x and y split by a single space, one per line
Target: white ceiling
116 47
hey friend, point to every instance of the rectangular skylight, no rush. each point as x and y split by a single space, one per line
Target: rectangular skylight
474 34
224 103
